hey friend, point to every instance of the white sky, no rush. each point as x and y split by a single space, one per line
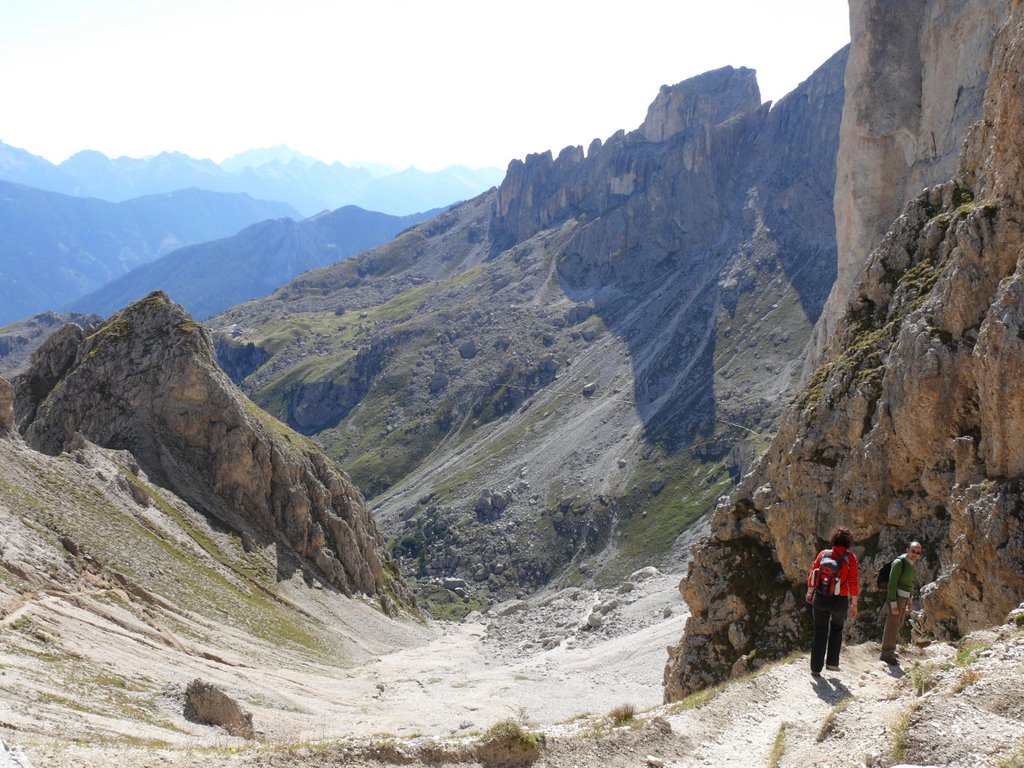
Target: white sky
402 82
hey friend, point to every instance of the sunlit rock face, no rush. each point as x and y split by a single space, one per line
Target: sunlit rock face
911 428
146 381
914 85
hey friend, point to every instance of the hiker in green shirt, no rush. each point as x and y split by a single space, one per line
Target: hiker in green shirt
901 582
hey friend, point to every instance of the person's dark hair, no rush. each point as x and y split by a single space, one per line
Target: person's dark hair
841 537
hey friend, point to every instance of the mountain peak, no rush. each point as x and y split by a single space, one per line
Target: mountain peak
146 381
705 100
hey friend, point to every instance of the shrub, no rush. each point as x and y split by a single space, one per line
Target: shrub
508 743
622 714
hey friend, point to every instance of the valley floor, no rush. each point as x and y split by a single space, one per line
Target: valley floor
946 705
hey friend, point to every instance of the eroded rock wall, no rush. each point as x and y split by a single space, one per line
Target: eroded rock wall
911 428
683 137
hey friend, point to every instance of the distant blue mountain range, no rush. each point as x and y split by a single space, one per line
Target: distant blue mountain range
55 248
207 278
278 173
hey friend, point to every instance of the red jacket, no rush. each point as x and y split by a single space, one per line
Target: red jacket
849 572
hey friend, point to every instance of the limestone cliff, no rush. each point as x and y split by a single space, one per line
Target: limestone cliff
913 426
146 381
914 85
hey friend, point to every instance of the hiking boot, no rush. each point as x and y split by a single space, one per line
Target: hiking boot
815 674
889 658
832 667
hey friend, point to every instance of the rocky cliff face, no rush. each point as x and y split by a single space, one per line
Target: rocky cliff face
6 408
552 381
910 429
914 85
146 381
677 138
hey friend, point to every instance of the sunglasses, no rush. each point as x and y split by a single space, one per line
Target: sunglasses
915 551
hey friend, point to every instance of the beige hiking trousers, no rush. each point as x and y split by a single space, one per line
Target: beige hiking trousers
893 624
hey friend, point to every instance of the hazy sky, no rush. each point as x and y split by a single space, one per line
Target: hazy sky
402 82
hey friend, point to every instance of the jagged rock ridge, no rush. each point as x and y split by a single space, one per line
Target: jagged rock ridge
910 429
146 381
578 358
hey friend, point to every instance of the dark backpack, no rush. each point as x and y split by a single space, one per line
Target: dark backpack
828 572
882 580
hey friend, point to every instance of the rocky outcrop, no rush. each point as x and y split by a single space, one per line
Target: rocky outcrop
911 428
914 85
146 381
6 408
209 705
19 340
239 360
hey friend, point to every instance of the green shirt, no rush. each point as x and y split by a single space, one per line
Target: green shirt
901 577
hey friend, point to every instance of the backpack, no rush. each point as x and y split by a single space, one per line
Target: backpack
882 580
828 572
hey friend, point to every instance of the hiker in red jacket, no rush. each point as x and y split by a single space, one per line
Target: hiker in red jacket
832 589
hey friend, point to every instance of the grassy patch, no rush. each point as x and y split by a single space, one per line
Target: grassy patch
828 725
622 714
923 678
191 571
778 746
508 743
899 734
653 520
443 604
966 679
695 700
968 654
1013 759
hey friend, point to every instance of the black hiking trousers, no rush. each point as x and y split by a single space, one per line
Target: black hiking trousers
829 613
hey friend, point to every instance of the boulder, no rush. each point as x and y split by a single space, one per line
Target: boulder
514 606
211 706
438 383
643 574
